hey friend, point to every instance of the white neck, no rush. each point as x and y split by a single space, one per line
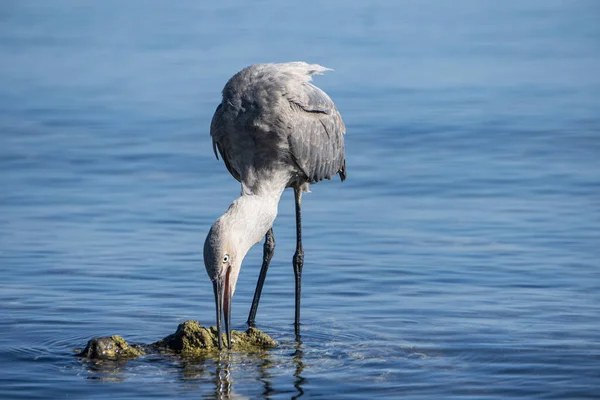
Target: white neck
250 217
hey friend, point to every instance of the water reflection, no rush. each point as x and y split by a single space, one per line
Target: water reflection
200 370
105 370
298 361
223 386
228 367
264 370
219 371
195 369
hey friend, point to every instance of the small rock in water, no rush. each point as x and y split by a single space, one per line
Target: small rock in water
110 348
190 340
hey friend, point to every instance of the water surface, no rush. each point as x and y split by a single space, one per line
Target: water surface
459 259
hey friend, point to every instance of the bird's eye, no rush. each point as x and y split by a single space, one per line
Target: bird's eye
226 258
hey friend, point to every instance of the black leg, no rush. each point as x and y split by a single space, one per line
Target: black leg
298 257
268 250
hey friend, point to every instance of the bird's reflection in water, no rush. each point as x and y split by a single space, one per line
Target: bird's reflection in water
219 371
226 365
265 368
298 361
223 377
200 370
229 366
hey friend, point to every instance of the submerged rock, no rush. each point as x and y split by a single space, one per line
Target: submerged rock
110 348
190 340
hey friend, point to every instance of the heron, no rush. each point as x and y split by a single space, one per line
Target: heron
274 129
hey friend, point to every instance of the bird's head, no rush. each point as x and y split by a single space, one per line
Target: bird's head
223 260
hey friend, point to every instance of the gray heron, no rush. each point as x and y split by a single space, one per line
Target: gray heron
274 130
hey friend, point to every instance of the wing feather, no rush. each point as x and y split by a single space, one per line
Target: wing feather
272 113
316 140
219 137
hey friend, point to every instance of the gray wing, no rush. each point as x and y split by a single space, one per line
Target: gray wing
218 135
316 139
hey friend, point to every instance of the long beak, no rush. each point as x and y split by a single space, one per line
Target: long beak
222 291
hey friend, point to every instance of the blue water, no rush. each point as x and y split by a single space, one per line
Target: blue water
460 259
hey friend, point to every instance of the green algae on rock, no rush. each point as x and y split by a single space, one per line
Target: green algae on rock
192 339
110 348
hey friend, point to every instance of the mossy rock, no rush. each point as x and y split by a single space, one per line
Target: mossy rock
192 339
111 348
